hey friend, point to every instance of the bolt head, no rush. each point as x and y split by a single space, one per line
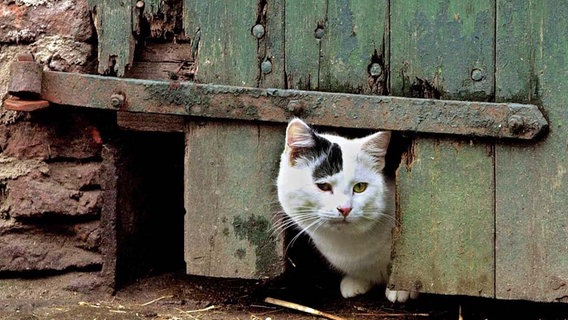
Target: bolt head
477 74
266 67
258 31
516 123
295 107
117 100
375 70
319 32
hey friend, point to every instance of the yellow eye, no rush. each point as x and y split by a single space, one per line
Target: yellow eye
360 187
324 186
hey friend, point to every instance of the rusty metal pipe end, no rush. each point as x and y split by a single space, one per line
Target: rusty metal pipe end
25 77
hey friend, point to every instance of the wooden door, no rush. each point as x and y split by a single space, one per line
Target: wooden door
477 217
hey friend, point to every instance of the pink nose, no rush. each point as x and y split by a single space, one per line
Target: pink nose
344 211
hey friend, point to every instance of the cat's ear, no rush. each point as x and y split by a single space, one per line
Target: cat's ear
376 146
300 138
299 135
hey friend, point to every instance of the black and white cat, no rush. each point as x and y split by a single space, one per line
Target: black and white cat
333 188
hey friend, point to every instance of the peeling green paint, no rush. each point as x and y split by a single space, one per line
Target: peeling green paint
240 253
257 231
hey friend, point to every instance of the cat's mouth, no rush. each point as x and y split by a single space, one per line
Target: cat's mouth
338 221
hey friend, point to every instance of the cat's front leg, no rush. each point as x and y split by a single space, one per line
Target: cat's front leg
400 296
351 287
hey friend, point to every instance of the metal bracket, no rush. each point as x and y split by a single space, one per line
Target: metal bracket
482 119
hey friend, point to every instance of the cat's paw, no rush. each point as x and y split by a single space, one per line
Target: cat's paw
351 287
400 296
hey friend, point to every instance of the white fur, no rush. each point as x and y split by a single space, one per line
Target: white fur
360 244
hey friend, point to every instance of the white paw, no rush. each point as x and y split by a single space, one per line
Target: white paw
351 287
400 296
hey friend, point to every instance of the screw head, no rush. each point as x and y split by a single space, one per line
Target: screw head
258 31
117 100
516 123
319 32
477 74
266 67
295 107
375 70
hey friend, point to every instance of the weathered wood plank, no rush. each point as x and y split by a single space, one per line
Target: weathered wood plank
163 61
356 36
448 43
228 224
226 51
114 33
230 169
330 45
305 27
445 239
531 181
150 122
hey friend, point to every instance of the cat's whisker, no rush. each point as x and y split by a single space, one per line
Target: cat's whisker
280 228
304 230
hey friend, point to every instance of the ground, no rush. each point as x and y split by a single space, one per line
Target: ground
174 296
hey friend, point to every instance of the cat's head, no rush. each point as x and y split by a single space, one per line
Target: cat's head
330 183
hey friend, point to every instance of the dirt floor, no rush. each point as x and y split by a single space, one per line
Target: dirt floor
175 296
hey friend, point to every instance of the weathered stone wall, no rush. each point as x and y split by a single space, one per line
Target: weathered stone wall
50 161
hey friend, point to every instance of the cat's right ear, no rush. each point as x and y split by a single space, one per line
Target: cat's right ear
299 135
299 138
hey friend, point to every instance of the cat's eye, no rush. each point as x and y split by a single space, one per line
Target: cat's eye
360 187
324 186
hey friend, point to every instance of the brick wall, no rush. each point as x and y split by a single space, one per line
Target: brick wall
50 161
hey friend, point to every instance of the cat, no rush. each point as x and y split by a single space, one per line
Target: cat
334 189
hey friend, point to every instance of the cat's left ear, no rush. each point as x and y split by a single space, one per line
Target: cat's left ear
376 146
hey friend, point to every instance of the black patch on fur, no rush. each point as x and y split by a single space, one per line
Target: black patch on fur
333 159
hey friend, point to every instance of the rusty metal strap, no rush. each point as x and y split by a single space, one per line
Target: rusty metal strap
499 120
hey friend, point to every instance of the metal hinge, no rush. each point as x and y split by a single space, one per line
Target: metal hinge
482 119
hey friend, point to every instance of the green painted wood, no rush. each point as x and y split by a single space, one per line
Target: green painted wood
303 48
114 34
444 243
531 180
226 49
354 31
228 222
443 42
329 44
230 170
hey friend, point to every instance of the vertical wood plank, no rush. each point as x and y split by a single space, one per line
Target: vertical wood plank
531 180
445 244
305 27
354 33
113 20
443 42
330 44
231 167
445 188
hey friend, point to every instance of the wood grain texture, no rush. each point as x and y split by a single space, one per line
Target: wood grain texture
329 44
231 167
531 180
445 239
114 34
227 50
302 47
443 42
230 200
